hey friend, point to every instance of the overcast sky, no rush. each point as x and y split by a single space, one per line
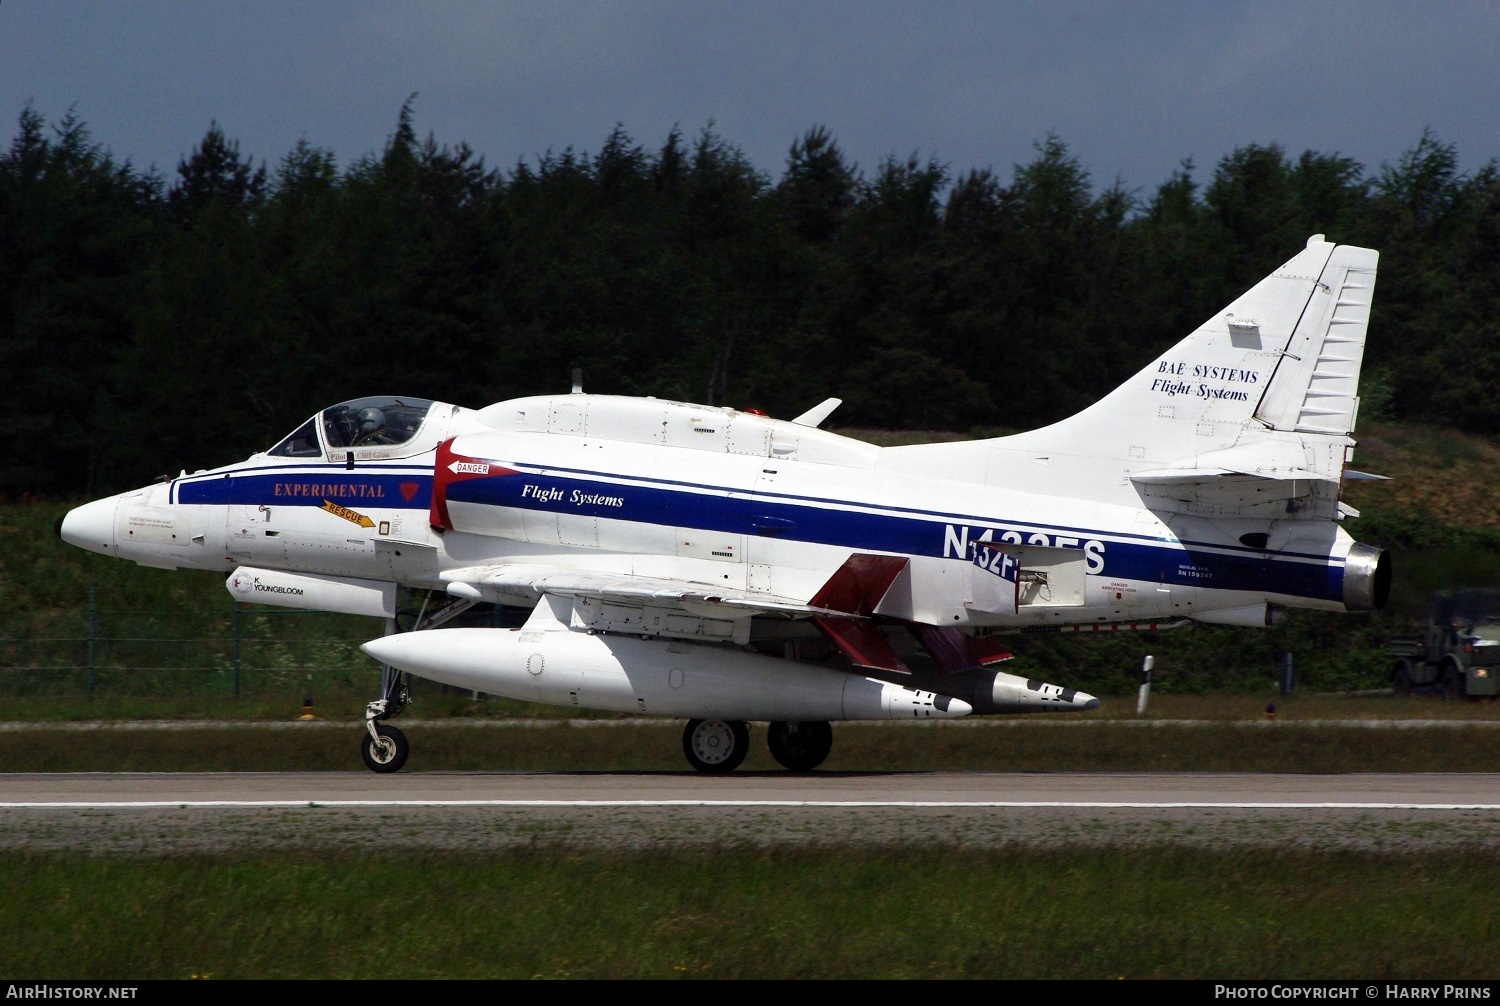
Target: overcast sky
1132 88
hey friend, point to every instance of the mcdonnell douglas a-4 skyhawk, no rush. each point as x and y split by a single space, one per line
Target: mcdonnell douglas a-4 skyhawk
689 561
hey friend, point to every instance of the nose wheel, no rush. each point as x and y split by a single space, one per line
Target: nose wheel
385 748
715 747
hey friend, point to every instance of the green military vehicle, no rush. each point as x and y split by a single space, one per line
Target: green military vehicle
1459 655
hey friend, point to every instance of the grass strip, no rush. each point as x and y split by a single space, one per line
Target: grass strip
831 913
657 747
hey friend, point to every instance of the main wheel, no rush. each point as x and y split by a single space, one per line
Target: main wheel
715 746
800 747
390 754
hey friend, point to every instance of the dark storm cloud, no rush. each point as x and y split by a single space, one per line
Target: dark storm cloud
1132 88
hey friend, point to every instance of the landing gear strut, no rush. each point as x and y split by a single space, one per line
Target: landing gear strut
384 747
800 747
715 747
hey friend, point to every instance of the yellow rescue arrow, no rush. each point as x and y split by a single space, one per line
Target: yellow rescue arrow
352 516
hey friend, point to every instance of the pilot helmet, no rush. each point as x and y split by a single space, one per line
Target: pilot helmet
370 420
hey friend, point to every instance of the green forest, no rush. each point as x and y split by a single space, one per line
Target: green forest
150 322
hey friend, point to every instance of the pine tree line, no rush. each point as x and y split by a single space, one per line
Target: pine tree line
150 323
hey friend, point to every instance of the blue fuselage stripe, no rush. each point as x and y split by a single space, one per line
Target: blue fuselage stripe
906 533
1123 556
403 491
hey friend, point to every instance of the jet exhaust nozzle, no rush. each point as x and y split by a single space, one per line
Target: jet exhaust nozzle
1367 578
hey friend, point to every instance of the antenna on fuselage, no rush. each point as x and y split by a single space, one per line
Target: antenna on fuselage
577 380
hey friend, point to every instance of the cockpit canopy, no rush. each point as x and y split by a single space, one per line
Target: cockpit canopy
363 422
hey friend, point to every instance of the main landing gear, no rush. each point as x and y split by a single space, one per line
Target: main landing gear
717 747
800 747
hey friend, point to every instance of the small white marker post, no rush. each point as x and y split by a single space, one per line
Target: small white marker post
1145 693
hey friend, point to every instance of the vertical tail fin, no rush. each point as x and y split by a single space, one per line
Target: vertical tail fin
1268 386
1284 356
1316 383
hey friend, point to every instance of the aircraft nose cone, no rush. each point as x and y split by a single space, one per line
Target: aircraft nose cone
1083 700
91 526
410 651
386 649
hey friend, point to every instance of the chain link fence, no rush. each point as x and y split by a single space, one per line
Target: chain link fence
238 651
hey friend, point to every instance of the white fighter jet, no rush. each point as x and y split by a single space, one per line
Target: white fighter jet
691 561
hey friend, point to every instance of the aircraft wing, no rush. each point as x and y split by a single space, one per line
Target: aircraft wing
657 606
522 582
1237 479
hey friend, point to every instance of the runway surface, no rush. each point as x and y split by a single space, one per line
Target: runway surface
995 789
155 813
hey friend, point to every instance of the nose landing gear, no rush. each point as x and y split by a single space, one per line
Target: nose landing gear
384 749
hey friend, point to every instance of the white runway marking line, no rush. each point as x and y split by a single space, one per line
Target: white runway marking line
894 804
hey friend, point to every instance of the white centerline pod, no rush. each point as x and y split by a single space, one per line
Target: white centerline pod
652 676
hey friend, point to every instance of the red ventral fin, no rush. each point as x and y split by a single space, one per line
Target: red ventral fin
862 642
984 651
954 650
858 585
947 645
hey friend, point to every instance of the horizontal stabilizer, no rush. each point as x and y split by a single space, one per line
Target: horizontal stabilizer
1168 477
1263 459
1226 495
